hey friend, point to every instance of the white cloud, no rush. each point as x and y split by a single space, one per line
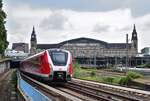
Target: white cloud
54 26
55 21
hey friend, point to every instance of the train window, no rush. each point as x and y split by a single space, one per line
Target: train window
59 58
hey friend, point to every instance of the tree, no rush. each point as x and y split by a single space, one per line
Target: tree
3 33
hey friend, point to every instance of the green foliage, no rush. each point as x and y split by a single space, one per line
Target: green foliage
76 66
133 75
130 76
94 78
14 78
76 70
93 73
108 79
110 66
116 80
3 32
76 74
124 80
146 65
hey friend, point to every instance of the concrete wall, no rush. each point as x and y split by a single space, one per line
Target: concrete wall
4 65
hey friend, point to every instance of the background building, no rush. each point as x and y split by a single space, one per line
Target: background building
15 54
146 51
93 51
20 47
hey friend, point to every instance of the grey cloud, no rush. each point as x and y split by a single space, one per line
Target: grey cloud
101 28
138 7
56 21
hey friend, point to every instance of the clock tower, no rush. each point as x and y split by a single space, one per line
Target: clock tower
33 42
134 40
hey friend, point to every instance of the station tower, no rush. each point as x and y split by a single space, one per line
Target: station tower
33 42
134 40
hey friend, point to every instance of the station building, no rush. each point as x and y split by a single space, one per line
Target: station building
93 51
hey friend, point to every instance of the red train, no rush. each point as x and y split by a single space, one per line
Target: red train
52 65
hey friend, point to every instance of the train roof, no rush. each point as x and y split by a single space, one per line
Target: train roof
57 49
40 53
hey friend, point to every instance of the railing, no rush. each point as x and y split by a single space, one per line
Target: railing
28 92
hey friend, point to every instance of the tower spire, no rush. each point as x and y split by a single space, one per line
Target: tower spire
134 39
134 27
33 30
33 42
134 33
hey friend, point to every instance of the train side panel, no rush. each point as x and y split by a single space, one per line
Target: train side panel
37 65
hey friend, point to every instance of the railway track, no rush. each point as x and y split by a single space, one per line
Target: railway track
84 94
78 90
51 92
58 92
115 93
97 93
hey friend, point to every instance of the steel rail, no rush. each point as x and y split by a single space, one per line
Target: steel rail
85 92
98 93
113 91
54 93
91 90
62 97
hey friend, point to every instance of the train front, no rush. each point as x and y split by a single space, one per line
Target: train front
61 65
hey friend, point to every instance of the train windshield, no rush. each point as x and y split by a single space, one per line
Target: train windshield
59 58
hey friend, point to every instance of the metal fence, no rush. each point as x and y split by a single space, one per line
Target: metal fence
30 93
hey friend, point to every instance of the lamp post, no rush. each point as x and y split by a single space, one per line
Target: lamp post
127 50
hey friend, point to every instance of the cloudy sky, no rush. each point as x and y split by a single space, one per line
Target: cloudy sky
59 20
